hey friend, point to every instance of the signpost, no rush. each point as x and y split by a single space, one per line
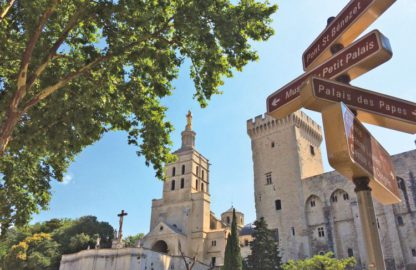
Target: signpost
355 153
373 108
346 26
363 55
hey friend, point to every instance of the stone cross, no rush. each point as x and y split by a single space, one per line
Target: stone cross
120 229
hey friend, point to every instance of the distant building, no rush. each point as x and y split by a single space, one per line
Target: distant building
313 212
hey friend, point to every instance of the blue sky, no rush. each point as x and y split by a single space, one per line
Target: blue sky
108 176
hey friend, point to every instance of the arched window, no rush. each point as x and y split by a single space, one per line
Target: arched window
172 185
182 182
202 186
321 232
202 174
173 171
197 170
183 169
197 184
228 220
346 196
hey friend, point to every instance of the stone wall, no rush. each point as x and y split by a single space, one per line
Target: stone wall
123 259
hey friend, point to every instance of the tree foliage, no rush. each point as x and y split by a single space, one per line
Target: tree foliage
264 250
71 70
232 256
133 240
41 245
38 251
324 262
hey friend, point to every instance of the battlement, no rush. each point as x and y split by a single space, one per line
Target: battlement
263 123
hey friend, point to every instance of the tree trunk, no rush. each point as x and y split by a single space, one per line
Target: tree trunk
10 122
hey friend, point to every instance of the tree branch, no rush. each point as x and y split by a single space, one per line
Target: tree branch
27 55
6 9
53 88
52 51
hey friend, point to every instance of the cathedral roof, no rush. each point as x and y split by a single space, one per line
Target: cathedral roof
231 210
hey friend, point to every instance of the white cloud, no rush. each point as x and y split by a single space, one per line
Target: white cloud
67 179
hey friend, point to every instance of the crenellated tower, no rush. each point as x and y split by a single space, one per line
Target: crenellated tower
284 152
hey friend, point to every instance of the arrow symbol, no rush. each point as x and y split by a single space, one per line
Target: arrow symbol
275 101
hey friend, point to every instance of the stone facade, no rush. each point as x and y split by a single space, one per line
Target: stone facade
183 216
124 259
314 212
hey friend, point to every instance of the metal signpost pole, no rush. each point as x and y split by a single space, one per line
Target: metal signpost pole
369 224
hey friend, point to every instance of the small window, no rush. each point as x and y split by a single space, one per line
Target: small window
161 228
213 243
321 232
197 170
173 171
268 178
272 144
172 185
350 252
203 176
202 186
334 198
182 182
228 220
378 223
346 196
413 252
313 204
278 204
293 231
400 221
246 242
312 149
183 169
196 184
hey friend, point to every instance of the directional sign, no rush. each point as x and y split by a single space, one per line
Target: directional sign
363 55
372 107
354 152
347 25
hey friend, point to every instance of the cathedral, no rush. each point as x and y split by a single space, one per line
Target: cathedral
182 218
312 212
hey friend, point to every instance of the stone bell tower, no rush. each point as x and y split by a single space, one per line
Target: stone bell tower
183 214
284 152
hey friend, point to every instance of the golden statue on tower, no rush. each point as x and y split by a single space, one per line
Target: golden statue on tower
189 120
